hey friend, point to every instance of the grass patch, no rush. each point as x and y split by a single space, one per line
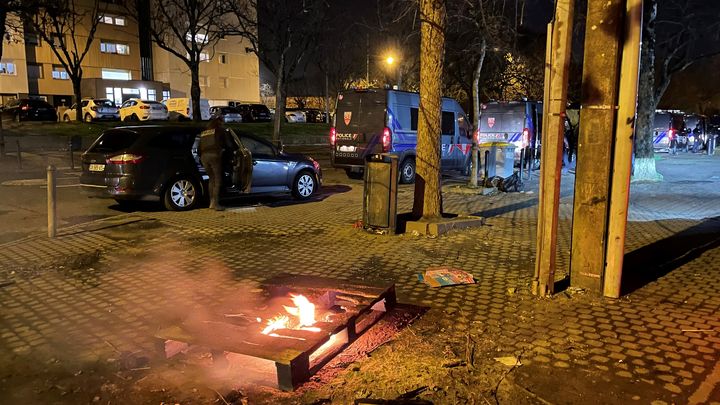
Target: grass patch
93 130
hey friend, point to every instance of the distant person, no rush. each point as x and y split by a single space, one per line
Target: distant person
213 143
673 142
698 134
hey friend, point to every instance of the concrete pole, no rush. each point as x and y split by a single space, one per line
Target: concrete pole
51 204
622 163
552 147
597 130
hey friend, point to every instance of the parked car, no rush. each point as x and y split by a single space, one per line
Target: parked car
294 116
25 109
136 109
182 109
227 113
162 163
314 115
101 109
254 112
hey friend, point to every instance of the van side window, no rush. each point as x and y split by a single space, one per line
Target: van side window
448 123
413 119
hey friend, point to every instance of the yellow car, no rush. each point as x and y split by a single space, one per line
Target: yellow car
135 109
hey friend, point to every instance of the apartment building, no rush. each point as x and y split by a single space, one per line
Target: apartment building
123 63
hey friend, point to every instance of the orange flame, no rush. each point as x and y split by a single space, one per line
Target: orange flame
304 310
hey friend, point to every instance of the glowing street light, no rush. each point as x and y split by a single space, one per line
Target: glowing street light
390 60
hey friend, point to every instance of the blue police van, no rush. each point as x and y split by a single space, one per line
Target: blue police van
374 121
515 122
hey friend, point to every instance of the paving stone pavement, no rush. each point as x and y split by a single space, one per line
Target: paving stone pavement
111 283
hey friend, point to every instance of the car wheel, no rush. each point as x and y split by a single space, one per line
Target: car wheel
182 194
134 118
305 185
407 171
88 118
66 118
354 175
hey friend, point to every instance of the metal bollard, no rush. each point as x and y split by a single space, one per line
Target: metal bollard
485 170
522 162
51 203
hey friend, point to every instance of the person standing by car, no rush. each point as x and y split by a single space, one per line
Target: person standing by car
213 143
698 135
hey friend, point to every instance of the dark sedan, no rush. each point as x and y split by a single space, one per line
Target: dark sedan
254 112
161 163
25 109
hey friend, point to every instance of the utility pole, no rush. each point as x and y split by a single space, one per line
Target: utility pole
597 129
556 80
624 129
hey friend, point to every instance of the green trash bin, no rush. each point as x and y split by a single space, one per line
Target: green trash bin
380 194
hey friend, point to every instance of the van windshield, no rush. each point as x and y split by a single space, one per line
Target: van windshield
360 112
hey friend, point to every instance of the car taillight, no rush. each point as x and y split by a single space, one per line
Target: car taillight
124 159
386 139
671 133
144 107
25 107
333 135
525 137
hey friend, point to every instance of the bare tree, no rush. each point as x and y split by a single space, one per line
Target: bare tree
428 198
69 28
474 27
681 41
281 33
187 29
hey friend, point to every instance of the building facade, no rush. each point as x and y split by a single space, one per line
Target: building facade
122 63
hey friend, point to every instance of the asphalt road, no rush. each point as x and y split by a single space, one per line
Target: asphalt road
23 206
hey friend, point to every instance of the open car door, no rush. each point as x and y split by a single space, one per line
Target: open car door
242 164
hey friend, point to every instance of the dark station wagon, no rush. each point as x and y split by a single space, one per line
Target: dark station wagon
161 163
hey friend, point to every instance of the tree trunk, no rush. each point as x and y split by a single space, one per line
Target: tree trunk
76 79
644 167
476 115
280 99
428 201
3 18
195 91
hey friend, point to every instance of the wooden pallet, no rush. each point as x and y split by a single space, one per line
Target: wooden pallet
288 361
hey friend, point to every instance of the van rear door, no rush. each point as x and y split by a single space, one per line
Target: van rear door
359 123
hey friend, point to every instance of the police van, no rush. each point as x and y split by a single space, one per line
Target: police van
516 122
374 121
668 126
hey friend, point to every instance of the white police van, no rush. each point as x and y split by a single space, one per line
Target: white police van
374 121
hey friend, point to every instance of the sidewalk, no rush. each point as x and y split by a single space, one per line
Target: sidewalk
79 319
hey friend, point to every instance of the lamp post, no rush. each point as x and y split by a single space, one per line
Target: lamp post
391 62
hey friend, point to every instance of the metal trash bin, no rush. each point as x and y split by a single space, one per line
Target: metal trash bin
380 194
500 158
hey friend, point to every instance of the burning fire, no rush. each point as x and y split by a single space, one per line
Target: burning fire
304 311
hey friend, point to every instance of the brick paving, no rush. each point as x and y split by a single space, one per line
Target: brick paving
152 267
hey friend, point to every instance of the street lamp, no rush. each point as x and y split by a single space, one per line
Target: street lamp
390 61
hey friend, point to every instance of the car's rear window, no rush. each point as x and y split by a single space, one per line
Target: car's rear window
260 108
114 140
500 118
105 103
172 141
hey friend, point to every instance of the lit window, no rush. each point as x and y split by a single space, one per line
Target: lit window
59 73
204 82
7 68
223 58
109 93
110 47
152 94
166 94
112 19
116 74
199 38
